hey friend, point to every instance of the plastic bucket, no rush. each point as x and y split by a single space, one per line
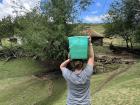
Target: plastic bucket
78 46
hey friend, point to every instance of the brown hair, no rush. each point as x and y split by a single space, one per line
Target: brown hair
78 64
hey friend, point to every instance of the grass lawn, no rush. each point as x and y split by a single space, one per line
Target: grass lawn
98 28
102 49
18 86
123 89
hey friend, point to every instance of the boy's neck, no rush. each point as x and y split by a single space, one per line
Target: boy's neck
77 71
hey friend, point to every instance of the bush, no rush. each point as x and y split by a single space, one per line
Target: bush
44 39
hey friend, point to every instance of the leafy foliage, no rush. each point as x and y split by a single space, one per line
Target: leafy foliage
122 20
6 27
45 35
138 34
36 35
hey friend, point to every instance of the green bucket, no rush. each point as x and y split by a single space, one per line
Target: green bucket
78 46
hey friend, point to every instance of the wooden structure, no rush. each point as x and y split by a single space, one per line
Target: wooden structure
97 39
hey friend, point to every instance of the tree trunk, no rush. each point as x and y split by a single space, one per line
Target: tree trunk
126 38
127 45
131 42
0 43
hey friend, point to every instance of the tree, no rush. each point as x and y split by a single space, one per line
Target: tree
121 20
137 38
65 11
6 27
137 22
45 35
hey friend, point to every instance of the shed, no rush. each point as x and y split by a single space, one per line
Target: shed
97 38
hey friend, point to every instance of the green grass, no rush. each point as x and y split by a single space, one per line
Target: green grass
18 86
123 89
19 67
118 41
102 49
98 28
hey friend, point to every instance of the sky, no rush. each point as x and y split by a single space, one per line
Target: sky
95 13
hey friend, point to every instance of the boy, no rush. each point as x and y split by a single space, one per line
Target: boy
78 81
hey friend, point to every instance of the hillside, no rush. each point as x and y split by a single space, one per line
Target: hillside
19 86
98 28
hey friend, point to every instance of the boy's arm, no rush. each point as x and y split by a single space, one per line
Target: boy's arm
91 54
64 64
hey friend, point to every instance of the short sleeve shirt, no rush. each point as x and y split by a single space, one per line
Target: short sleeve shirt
78 86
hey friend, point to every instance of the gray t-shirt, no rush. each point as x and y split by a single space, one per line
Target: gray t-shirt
78 86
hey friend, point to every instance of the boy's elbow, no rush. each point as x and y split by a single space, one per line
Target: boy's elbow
61 67
91 61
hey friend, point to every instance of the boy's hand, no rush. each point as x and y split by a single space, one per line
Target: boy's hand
68 55
89 38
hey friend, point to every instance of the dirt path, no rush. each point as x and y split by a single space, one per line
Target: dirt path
111 77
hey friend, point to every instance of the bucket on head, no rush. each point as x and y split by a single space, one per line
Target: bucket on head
78 46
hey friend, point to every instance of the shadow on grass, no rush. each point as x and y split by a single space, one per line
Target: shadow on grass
20 67
59 88
13 92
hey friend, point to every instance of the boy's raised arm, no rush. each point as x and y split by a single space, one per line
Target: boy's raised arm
64 64
91 53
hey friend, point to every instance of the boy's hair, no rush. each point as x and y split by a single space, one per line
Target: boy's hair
78 64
